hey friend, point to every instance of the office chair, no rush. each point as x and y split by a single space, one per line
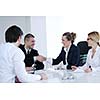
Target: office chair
84 48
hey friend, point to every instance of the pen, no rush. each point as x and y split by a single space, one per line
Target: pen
90 67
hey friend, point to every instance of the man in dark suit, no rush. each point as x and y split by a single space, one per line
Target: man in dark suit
31 55
70 53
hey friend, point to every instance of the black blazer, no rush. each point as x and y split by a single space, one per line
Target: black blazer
72 58
29 60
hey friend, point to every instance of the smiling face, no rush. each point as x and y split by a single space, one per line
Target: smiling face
90 41
30 42
93 38
65 42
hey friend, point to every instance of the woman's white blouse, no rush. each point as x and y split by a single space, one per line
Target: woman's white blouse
12 64
95 61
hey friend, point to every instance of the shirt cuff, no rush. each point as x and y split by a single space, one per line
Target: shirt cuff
34 59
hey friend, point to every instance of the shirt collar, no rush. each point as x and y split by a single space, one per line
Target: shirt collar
97 48
26 49
67 49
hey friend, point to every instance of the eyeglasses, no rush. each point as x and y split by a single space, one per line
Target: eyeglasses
89 39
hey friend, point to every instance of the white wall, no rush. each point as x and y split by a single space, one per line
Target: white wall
82 24
6 21
55 29
48 30
33 24
38 28
79 23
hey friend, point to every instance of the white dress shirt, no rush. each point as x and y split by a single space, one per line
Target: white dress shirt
66 50
93 62
29 50
12 64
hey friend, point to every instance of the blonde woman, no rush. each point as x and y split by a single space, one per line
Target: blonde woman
93 57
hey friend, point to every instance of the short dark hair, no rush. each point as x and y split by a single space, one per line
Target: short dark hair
27 36
12 33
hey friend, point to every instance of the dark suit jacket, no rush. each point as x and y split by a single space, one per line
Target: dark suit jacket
29 58
72 58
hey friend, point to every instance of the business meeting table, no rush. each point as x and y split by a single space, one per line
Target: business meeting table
68 76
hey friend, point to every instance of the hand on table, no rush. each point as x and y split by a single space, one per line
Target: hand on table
87 70
73 68
43 76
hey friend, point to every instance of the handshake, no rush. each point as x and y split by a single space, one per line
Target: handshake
41 58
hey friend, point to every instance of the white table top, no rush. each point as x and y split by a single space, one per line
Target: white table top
68 76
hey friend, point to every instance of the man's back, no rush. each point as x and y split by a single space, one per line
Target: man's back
12 59
7 53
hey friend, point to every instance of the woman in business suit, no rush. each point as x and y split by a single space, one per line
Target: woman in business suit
69 53
93 57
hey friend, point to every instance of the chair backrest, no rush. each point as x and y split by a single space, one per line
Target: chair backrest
84 48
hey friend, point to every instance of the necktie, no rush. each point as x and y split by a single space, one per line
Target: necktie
28 52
